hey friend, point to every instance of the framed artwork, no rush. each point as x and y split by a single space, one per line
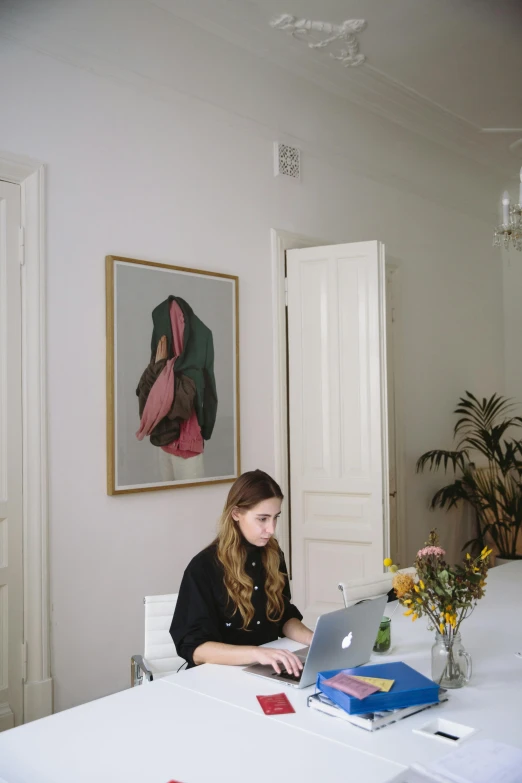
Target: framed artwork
172 376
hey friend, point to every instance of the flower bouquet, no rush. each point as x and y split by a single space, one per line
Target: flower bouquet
446 595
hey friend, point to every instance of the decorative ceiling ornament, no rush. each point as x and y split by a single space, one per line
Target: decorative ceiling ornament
509 232
308 31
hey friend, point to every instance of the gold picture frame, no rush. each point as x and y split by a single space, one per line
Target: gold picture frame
133 286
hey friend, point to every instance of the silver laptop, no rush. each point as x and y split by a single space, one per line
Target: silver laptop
342 639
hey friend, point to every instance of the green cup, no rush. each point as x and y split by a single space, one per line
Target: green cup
383 641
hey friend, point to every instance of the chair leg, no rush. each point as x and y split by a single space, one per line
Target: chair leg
136 675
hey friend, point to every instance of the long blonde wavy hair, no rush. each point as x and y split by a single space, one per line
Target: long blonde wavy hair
246 492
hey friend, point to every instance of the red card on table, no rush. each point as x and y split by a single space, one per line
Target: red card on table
275 704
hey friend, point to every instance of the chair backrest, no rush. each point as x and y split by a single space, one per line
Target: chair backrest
160 651
357 589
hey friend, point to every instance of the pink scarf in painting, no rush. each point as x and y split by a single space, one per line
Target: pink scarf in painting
161 397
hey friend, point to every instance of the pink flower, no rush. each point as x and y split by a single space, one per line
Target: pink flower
435 551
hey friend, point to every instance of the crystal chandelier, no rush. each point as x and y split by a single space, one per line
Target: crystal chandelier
510 230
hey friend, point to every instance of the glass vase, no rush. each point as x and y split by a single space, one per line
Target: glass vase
383 641
450 663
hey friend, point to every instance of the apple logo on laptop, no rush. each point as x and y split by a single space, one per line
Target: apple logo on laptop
346 642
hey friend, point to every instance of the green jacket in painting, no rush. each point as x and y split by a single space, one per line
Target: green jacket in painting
196 361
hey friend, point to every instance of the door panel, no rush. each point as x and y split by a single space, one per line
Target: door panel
337 418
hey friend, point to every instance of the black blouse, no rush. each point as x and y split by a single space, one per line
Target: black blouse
203 612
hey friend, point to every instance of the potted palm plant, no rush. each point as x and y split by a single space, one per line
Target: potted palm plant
494 488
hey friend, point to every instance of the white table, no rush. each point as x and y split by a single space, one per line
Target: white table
158 732
205 724
491 703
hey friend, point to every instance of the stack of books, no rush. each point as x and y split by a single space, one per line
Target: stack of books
371 721
404 691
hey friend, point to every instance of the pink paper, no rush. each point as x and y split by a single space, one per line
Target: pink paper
357 688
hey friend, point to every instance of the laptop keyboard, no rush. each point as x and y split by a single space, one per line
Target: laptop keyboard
288 676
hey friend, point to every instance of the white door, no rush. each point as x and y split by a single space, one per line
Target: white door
11 579
337 419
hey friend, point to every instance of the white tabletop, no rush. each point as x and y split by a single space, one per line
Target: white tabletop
160 732
205 724
491 703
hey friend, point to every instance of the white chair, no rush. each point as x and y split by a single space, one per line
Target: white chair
159 656
359 589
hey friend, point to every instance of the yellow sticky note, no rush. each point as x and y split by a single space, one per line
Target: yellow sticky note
383 685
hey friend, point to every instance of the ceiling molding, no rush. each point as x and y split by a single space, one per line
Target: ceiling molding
382 95
365 167
310 32
365 86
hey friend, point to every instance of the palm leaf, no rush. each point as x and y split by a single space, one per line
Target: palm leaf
494 492
471 543
449 496
434 459
475 414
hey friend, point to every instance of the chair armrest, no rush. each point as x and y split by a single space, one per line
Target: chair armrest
138 669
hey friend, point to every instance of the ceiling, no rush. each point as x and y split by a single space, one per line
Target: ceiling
447 69
453 65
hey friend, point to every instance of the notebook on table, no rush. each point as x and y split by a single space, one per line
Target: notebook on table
410 688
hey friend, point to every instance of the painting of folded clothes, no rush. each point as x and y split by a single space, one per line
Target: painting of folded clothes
172 376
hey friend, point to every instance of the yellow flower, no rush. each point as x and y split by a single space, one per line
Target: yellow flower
388 562
408 612
407 601
453 620
485 553
468 556
448 617
441 627
414 617
402 584
421 584
419 600
416 588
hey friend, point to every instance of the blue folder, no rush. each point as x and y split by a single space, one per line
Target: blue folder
409 689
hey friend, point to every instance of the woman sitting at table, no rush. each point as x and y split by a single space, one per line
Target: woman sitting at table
235 594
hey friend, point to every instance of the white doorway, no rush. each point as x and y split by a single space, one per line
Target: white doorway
317 593
11 465
29 679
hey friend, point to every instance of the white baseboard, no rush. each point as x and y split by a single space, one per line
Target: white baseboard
6 717
38 699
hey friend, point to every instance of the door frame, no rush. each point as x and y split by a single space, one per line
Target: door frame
281 241
30 175
393 289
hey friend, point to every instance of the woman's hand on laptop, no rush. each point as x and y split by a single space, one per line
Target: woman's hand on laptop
278 659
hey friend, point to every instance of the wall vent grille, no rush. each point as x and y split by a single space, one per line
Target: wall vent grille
287 161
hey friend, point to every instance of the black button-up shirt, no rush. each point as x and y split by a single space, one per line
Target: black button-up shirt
204 612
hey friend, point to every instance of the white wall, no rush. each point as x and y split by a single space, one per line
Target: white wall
512 265
186 177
